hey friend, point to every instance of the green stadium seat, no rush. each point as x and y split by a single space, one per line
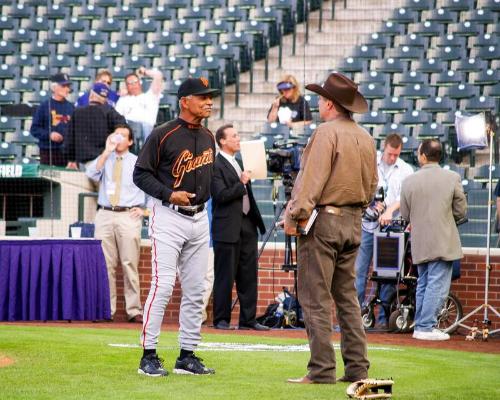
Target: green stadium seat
394 105
438 104
429 66
431 130
413 118
374 90
467 28
479 104
447 78
443 15
410 78
470 64
458 5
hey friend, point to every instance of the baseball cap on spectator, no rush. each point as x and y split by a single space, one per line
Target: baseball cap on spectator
60 78
195 87
101 89
285 85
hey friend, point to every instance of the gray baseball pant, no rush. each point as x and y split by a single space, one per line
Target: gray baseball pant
179 244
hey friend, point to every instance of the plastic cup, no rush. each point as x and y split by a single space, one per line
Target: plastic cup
76 232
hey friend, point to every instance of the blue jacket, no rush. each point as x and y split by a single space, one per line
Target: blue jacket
60 115
83 100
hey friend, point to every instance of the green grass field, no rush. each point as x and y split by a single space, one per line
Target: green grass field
76 363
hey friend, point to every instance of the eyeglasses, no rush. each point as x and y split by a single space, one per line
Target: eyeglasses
134 82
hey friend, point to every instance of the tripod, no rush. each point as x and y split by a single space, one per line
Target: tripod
485 306
288 262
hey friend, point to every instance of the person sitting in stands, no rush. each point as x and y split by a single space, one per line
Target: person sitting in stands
289 107
51 120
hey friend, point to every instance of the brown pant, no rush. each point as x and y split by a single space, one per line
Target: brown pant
326 271
121 242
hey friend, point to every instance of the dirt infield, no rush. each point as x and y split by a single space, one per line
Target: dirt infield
457 342
5 361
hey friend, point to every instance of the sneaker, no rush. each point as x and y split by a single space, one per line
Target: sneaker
191 365
435 334
151 365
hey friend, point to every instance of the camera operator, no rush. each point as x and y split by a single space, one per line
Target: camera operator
392 170
433 200
338 177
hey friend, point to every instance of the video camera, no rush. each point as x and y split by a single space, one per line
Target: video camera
284 157
372 213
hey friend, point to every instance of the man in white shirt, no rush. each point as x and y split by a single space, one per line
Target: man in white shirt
392 171
141 108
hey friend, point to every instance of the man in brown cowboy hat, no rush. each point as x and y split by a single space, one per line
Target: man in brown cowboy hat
338 176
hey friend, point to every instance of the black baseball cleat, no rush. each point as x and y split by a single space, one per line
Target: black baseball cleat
192 365
151 365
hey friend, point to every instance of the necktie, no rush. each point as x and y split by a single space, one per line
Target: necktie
117 179
246 199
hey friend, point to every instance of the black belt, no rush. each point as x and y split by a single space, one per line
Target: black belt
115 208
190 212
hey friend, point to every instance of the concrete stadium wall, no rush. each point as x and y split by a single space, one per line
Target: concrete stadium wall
469 288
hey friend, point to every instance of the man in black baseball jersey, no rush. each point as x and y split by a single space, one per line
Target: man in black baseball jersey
175 168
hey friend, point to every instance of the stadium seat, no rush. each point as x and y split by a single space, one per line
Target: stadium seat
479 104
20 11
7 48
35 97
379 41
373 77
92 37
352 65
186 51
461 91
245 43
403 16
372 119
149 50
410 78
394 105
80 73
431 130
23 84
112 49
162 13
6 23
485 77
7 71
412 40
8 152
231 14
416 91
447 78
213 67
164 38
429 66
275 129
74 24
488 52
374 90
367 53
493 91
469 65
482 16
145 25
438 104
389 65
493 5
486 39
313 100
89 12
38 48
202 39
182 26
39 72
482 173
176 5
458 169
76 49
173 63
458 5
125 13
134 62
393 127
212 5
442 15
419 5
466 28
196 14
413 118
57 36
451 40
429 29
97 61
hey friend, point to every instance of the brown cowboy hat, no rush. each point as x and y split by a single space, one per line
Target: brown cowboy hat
342 90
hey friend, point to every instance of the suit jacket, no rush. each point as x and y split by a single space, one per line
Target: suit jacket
227 202
433 199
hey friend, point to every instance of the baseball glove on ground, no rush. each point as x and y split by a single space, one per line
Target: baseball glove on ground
368 389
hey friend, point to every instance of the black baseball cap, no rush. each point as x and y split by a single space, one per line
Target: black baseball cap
195 87
60 78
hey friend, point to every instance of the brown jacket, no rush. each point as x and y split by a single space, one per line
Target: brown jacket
338 167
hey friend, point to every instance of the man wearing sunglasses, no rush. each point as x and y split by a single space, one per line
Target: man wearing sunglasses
138 107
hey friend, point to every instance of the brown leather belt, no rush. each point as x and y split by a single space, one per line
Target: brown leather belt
190 212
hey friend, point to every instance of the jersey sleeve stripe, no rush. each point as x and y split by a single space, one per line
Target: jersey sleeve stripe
162 140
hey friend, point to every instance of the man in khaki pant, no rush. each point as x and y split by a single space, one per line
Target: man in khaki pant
119 217
338 176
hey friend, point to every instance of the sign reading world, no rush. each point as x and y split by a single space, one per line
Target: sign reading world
18 170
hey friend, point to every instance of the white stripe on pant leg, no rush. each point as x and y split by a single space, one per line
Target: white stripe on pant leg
168 238
192 271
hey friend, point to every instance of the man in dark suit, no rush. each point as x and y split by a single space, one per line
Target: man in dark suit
235 219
